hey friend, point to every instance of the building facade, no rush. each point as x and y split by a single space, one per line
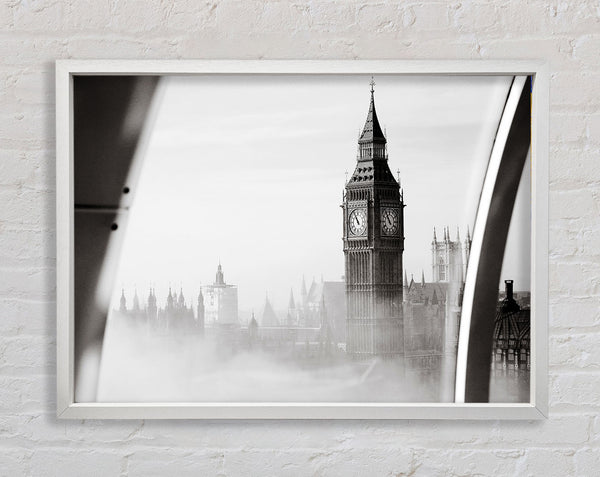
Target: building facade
220 301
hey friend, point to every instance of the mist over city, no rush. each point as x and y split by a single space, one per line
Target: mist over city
244 275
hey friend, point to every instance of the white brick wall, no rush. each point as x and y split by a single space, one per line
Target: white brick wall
35 33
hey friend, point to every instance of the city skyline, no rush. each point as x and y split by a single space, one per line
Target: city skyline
245 178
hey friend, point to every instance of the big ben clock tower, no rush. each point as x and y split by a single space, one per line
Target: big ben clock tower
373 246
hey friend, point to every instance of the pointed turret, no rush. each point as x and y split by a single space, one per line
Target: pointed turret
434 236
136 302
422 278
180 299
200 310
219 278
303 291
152 310
323 311
291 312
372 133
457 234
269 318
170 299
123 302
200 300
467 248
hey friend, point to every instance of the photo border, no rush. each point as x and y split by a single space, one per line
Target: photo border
537 408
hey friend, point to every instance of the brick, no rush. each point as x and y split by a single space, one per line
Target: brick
178 462
575 279
574 167
566 128
332 16
66 462
569 390
572 313
380 18
587 461
585 49
575 350
22 394
123 48
556 49
15 462
547 462
563 90
44 15
442 462
23 355
575 204
28 317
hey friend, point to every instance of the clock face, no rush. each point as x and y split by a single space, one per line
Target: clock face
358 222
390 222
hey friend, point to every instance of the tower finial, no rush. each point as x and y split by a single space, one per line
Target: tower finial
372 83
434 235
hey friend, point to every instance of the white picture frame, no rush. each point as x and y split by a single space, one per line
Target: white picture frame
67 407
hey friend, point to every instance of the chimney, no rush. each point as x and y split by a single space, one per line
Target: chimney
509 289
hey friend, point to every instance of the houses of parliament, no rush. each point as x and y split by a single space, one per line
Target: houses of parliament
376 311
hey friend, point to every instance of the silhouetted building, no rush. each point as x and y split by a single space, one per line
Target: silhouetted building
269 318
220 301
449 258
373 220
511 345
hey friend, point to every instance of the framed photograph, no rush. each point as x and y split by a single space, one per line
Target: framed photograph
302 239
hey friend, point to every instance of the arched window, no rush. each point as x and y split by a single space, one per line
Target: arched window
442 269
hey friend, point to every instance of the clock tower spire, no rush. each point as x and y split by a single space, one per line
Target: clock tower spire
373 246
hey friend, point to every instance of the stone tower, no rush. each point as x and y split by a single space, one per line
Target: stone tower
373 236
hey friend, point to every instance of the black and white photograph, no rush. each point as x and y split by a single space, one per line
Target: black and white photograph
359 238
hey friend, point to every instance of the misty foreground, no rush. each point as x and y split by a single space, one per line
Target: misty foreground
138 366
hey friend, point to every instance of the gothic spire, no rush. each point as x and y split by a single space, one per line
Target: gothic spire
269 318
434 235
136 301
123 301
291 303
457 234
422 278
372 131
219 279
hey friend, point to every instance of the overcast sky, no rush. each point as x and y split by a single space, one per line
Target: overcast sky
250 170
